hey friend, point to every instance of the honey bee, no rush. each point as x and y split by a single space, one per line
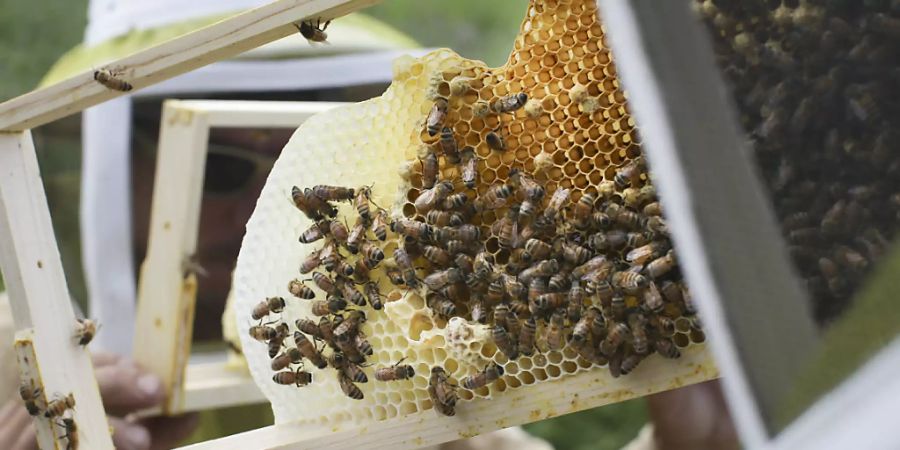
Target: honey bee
30 395
584 207
332 305
467 233
576 297
437 256
333 193
849 258
442 392
530 189
455 201
290 356
544 268
275 344
629 175
637 324
298 378
495 141
514 288
71 430
438 218
350 324
504 342
325 283
653 299
436 116
263 333
429 170
374 295
407 271
372 253
614 338
311 262
329 256
555 205
350 390
581 331
361 202
465 263
574 254
661 266
597 323
641 255
108 79
537 250
549 302
429 198
509 103
629 281
348 369
653 209
526 337
596 263
666 347
536 287
352 294
362 344
313 33
490 373
344 269
448 145
555 332
300 290
263 308
395 372
313 207
469 170
338 231
630 362
630 219
441 305
509 229
313 233
59 406
309 327
85 331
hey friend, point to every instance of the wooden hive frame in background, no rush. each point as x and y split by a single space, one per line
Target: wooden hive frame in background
166 292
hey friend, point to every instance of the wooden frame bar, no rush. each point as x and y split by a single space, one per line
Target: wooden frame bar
221 40
166 292
41 307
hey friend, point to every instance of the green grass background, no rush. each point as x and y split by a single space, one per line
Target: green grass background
34 33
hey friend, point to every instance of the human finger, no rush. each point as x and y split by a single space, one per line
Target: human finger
129 435
167 432
16 431
125 388
101 359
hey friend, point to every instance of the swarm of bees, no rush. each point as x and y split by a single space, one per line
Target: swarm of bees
815 84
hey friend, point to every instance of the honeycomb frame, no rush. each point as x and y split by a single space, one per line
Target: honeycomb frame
354 146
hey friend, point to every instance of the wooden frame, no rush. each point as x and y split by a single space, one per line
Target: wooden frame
166 291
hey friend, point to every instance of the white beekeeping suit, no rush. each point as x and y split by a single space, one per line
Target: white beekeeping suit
119 27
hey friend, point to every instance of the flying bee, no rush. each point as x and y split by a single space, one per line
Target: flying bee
290 356
332 305
614 338
85 330
333 193
504 342
527 336
584 207
629 175
361 202
509 103
490 373
404 263
300 290
59 406
263 333
630 282
429 169
469 170
436 116
269 305
448 145
352 371
313 33
661 266
543 268
653 299
350 390
298 378
439 385
509 229
71 433
530 189
372 253
30 395
374 295
667 348
637 324
429 198
556 339
111 81
495 141
537 250
311 262
395 373
441 305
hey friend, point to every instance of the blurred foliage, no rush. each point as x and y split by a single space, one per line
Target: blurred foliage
33 34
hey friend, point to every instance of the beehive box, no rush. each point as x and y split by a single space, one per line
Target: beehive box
573 133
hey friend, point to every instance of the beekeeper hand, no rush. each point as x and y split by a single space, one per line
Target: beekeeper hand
125 388
693 417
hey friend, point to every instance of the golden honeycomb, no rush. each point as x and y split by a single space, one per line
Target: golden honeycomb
573 133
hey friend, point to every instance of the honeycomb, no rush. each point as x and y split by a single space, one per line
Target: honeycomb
573 133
